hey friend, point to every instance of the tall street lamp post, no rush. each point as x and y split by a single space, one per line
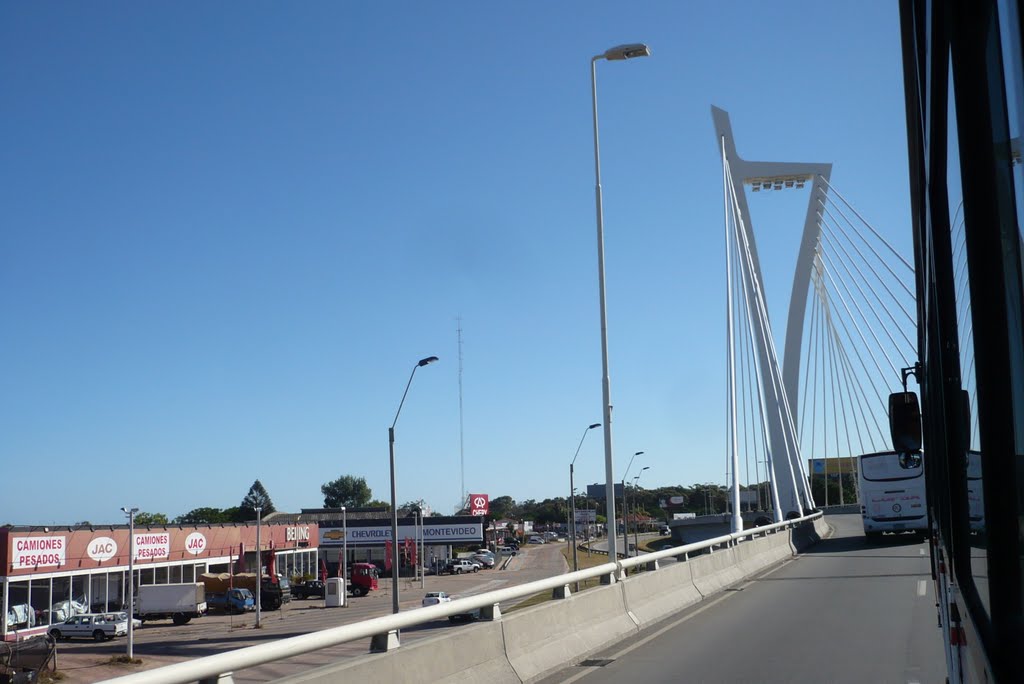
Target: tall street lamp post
344 556
130 512
619 52
625 523
572 497
394 503
636 524
259 564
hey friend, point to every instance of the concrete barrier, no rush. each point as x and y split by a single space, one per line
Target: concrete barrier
653 596
713 572
546 638
528 645
458 656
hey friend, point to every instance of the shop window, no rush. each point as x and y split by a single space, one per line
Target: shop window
162 576
61 605
19 613
39 599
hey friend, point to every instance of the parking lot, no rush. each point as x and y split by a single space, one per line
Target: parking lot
162 643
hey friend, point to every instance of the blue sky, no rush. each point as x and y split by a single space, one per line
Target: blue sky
229 231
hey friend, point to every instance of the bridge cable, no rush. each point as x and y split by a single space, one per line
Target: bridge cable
778 389
911 320
853 321
835 192
835 417
858 386
749 284
841 262
871 247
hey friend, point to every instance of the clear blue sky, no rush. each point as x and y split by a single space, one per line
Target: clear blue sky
229 231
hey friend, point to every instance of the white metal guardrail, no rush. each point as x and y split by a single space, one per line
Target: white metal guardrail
218 667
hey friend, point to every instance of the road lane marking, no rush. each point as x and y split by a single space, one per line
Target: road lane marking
632 647
922 587
921 551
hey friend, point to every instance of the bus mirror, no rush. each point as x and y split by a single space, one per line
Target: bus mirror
904 421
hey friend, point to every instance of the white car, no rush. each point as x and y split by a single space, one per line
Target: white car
537 540
506 550
96 626
136 622
435 597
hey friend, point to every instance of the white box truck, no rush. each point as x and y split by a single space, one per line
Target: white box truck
177 602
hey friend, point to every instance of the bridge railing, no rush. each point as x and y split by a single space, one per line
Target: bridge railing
218 668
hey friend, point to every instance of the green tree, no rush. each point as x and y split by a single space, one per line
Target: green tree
257 497
203 515
347 490
409 506
143 518
377 503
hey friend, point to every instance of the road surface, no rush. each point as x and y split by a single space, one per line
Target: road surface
848 610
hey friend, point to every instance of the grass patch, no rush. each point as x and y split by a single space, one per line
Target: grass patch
48 677
124 660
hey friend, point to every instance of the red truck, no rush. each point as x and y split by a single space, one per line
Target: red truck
362 578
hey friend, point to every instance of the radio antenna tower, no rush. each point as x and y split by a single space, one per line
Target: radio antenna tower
462 458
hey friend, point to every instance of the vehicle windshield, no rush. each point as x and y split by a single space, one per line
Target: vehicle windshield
891 466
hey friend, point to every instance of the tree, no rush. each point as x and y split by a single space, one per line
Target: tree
415 505
347 490
203 515
257 497
143 518
376 503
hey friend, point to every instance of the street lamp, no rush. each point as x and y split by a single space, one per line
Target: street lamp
612 54
394 503
625 511
344 556
572 496
636 533
259 564
130 512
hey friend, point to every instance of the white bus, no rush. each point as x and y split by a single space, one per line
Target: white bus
892 493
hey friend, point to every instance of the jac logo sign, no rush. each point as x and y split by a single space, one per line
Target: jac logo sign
102 548
478 504
195 543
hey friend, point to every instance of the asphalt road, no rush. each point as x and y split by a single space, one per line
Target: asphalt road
849 610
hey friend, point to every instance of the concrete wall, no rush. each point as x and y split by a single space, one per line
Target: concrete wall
528 645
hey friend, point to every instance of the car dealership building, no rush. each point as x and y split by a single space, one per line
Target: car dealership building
48 574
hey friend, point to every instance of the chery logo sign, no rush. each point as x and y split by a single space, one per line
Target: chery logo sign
478 504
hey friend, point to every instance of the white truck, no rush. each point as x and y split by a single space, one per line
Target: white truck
177 602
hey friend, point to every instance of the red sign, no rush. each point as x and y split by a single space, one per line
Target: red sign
479 504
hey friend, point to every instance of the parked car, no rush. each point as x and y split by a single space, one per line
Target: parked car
309 589
123 615
507 550
457 566
90 625
665 531
486 562
435 597
468 616
537 540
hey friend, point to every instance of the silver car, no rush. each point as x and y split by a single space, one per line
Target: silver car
99 626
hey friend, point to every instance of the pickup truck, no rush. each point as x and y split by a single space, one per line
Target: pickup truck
457 566
309 589
233 601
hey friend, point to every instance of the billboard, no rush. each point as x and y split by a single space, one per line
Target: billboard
597 491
